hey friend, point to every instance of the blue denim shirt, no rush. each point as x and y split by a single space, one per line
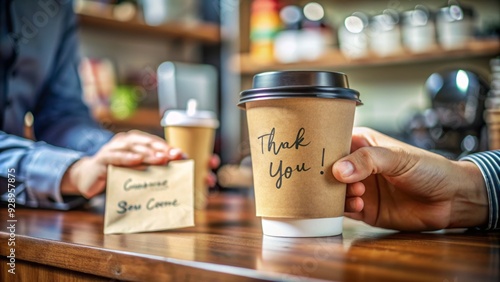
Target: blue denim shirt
39 74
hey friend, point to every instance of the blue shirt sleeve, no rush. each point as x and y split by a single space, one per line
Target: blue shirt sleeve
43 78
37 168
489 164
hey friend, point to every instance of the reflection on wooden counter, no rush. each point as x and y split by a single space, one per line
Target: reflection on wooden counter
227 244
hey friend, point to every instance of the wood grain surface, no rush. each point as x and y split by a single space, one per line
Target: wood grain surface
227 245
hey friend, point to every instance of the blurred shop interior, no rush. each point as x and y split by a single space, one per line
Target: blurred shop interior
428 71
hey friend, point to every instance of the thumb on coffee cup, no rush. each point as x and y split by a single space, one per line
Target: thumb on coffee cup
367 161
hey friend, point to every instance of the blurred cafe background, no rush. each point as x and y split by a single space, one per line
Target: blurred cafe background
428 70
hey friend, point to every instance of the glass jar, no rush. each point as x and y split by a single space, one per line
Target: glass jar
353 39
385 34
455 26
418 30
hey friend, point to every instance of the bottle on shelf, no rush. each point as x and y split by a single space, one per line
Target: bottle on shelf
265 23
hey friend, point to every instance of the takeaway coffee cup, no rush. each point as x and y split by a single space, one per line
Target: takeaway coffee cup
299 123
193 132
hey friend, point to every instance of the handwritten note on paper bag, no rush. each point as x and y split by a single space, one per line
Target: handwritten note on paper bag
158 198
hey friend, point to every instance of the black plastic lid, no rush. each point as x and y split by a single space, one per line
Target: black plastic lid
295 84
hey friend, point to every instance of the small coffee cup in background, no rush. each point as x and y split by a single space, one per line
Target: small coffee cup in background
193 132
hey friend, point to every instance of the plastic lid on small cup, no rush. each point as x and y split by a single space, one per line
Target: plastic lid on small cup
299 84
190 117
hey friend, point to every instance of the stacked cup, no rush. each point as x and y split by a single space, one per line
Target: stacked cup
492 115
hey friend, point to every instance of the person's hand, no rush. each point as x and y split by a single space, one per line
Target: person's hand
87 176
213 163
394 185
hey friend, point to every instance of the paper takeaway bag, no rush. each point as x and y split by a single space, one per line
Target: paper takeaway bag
158 198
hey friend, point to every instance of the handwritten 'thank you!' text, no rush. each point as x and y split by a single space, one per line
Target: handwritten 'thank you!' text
269 145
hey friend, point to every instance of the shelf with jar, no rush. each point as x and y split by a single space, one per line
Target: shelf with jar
120 90
126 18
299 37
333 58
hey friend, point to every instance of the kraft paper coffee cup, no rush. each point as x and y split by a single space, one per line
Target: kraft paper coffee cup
300 123
193 132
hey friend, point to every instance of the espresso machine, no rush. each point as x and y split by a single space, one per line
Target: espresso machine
454 125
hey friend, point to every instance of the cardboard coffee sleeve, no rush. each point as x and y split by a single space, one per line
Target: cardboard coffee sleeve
294 143
197 143
193 132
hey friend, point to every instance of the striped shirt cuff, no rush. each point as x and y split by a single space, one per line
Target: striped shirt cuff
489 164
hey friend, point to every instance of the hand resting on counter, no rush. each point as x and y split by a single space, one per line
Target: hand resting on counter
87 176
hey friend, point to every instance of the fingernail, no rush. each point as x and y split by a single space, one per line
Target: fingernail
346 168
160 155
133 156
174 152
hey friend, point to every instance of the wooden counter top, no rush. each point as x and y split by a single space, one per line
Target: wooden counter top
227 245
